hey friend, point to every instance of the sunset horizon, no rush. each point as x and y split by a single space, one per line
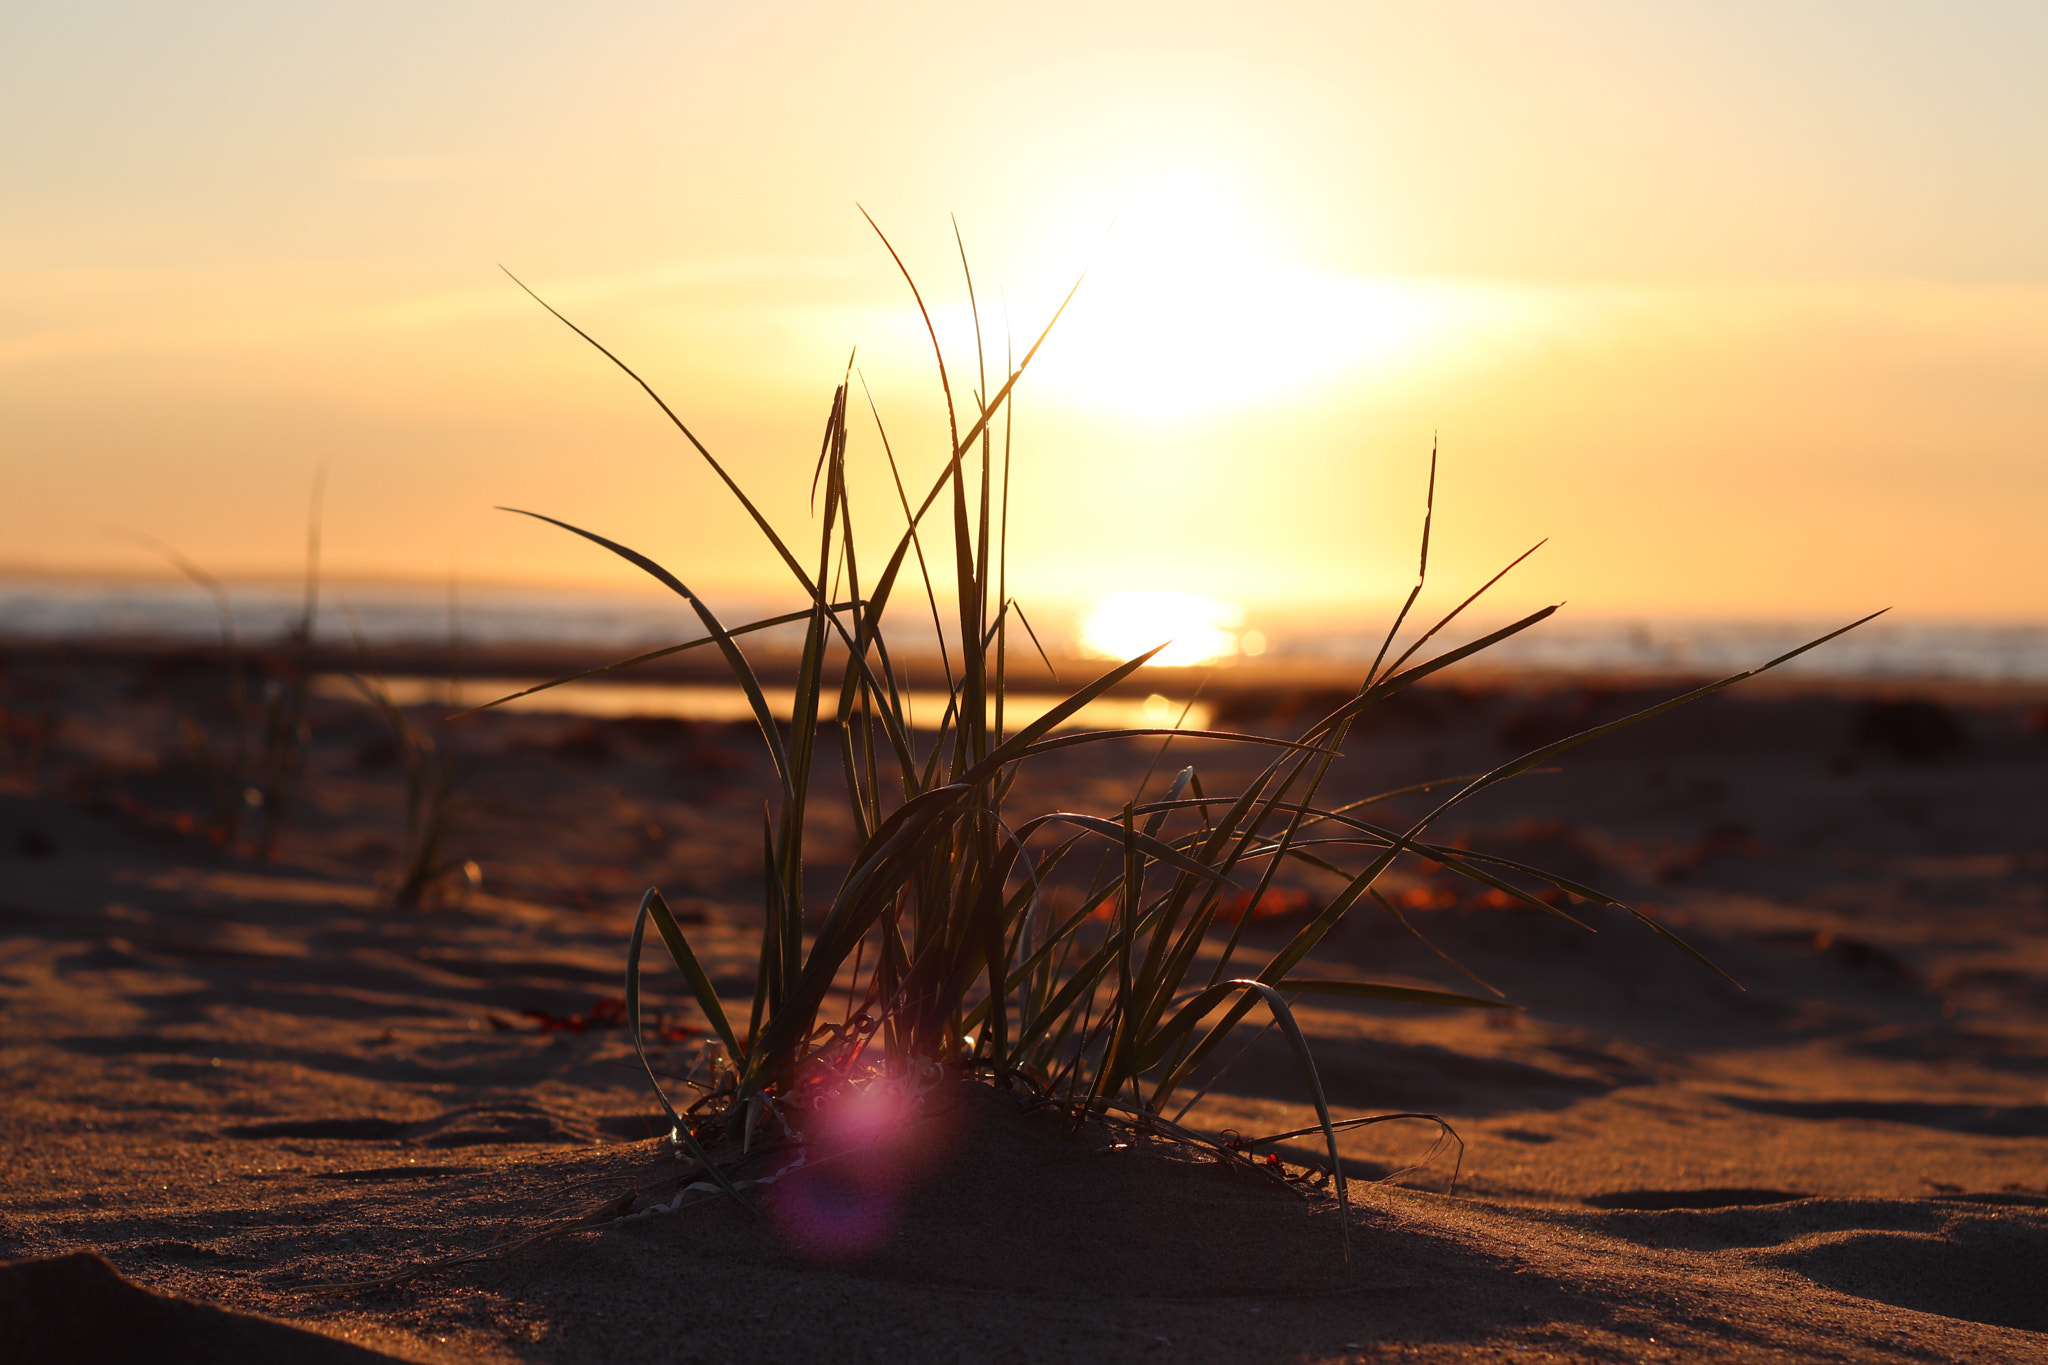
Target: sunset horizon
1774 346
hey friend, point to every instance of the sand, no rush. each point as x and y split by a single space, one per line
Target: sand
236 1081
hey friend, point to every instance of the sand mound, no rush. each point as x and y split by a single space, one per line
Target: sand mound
77 1310
1017 1244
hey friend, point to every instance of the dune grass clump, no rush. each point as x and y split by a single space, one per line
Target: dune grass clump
255 779
944 945
423 867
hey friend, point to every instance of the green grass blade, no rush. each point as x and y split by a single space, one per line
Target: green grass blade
1380 990
1014 747
1428 943
1421 572
1455 612
1675 941
742 671
787 618
1387 687
1550 751
653 906
680 1129
760 521
1307 1062
1046 746
1157 849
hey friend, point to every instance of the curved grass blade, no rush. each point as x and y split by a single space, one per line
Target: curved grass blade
1425 941
1455 612
787 618
1456 860
680 1129
742 671
1421 572
1014 747
1046 746
717 468
1191 1013
1313 933
693 971
1675 941
1307 1062
1388 686
1444 1132
989 409
1380 990
1157 849
816 592
1549 751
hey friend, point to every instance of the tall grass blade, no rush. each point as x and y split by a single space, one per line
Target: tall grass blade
679 1128
787 618
706 995
742 671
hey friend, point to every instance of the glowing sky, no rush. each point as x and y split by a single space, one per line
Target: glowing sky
1744 305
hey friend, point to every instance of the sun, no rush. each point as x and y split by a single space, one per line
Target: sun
1193 305
1195 629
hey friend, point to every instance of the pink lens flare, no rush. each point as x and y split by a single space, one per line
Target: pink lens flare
863 1150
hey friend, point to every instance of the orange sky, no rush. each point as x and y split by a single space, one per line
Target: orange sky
1744 306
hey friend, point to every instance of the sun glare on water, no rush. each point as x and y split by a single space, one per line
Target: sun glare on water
1195 629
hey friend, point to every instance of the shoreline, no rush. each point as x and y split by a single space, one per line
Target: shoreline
1238 685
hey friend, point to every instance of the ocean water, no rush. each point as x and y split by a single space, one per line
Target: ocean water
383 613
1893 647
1889 648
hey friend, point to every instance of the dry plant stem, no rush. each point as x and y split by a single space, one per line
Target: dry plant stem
952 924
269 742
284 733
430 780
227 782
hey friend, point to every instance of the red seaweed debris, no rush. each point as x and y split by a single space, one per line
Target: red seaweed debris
607 1012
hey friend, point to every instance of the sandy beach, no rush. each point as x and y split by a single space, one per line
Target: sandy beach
239 1081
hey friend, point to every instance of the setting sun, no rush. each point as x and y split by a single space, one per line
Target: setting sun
1193 308
1195 629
